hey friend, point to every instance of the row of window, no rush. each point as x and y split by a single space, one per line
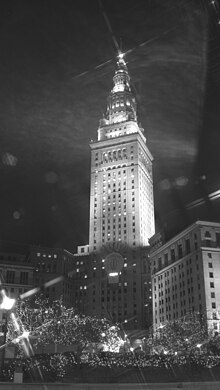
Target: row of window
111 168
120 103
114 197
179 251
113 174
118 129
10 277
13 292
49 256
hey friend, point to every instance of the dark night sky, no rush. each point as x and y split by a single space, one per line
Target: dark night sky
49 112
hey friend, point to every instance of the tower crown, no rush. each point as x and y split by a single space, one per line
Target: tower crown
121 78
121 103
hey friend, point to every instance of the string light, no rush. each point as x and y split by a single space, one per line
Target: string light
53 323
58 365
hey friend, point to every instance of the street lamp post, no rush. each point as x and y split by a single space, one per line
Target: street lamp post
6 305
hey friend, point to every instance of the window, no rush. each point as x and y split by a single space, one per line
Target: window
196 244
159 263
180 251
24 277
211 274
213 305
187 245
210 265
218 240
212 285
212 295
10 277
172 255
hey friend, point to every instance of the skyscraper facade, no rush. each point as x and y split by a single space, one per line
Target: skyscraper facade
121 195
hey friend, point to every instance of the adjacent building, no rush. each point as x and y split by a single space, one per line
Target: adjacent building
53 271
186 274
16 273
50 270
126 299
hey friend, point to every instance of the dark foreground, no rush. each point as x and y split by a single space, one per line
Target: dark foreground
108 386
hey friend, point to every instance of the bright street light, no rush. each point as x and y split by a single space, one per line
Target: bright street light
7 303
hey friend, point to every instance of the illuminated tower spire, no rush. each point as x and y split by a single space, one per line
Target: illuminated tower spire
121 105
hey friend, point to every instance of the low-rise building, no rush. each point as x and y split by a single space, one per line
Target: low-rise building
16 274
115 283
53 270
24 268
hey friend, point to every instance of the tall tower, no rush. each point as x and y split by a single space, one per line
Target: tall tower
121 194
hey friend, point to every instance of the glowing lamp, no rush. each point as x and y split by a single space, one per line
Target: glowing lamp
7 303
113 273
25 334
161 326
120 55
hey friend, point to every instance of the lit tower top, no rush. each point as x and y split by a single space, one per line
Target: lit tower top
121 104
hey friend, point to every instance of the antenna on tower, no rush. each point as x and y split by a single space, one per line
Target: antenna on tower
109 26
120 46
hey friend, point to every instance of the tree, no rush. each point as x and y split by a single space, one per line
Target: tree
48 322
180 336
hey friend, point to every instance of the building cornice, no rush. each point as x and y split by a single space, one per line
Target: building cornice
123 139
183 233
